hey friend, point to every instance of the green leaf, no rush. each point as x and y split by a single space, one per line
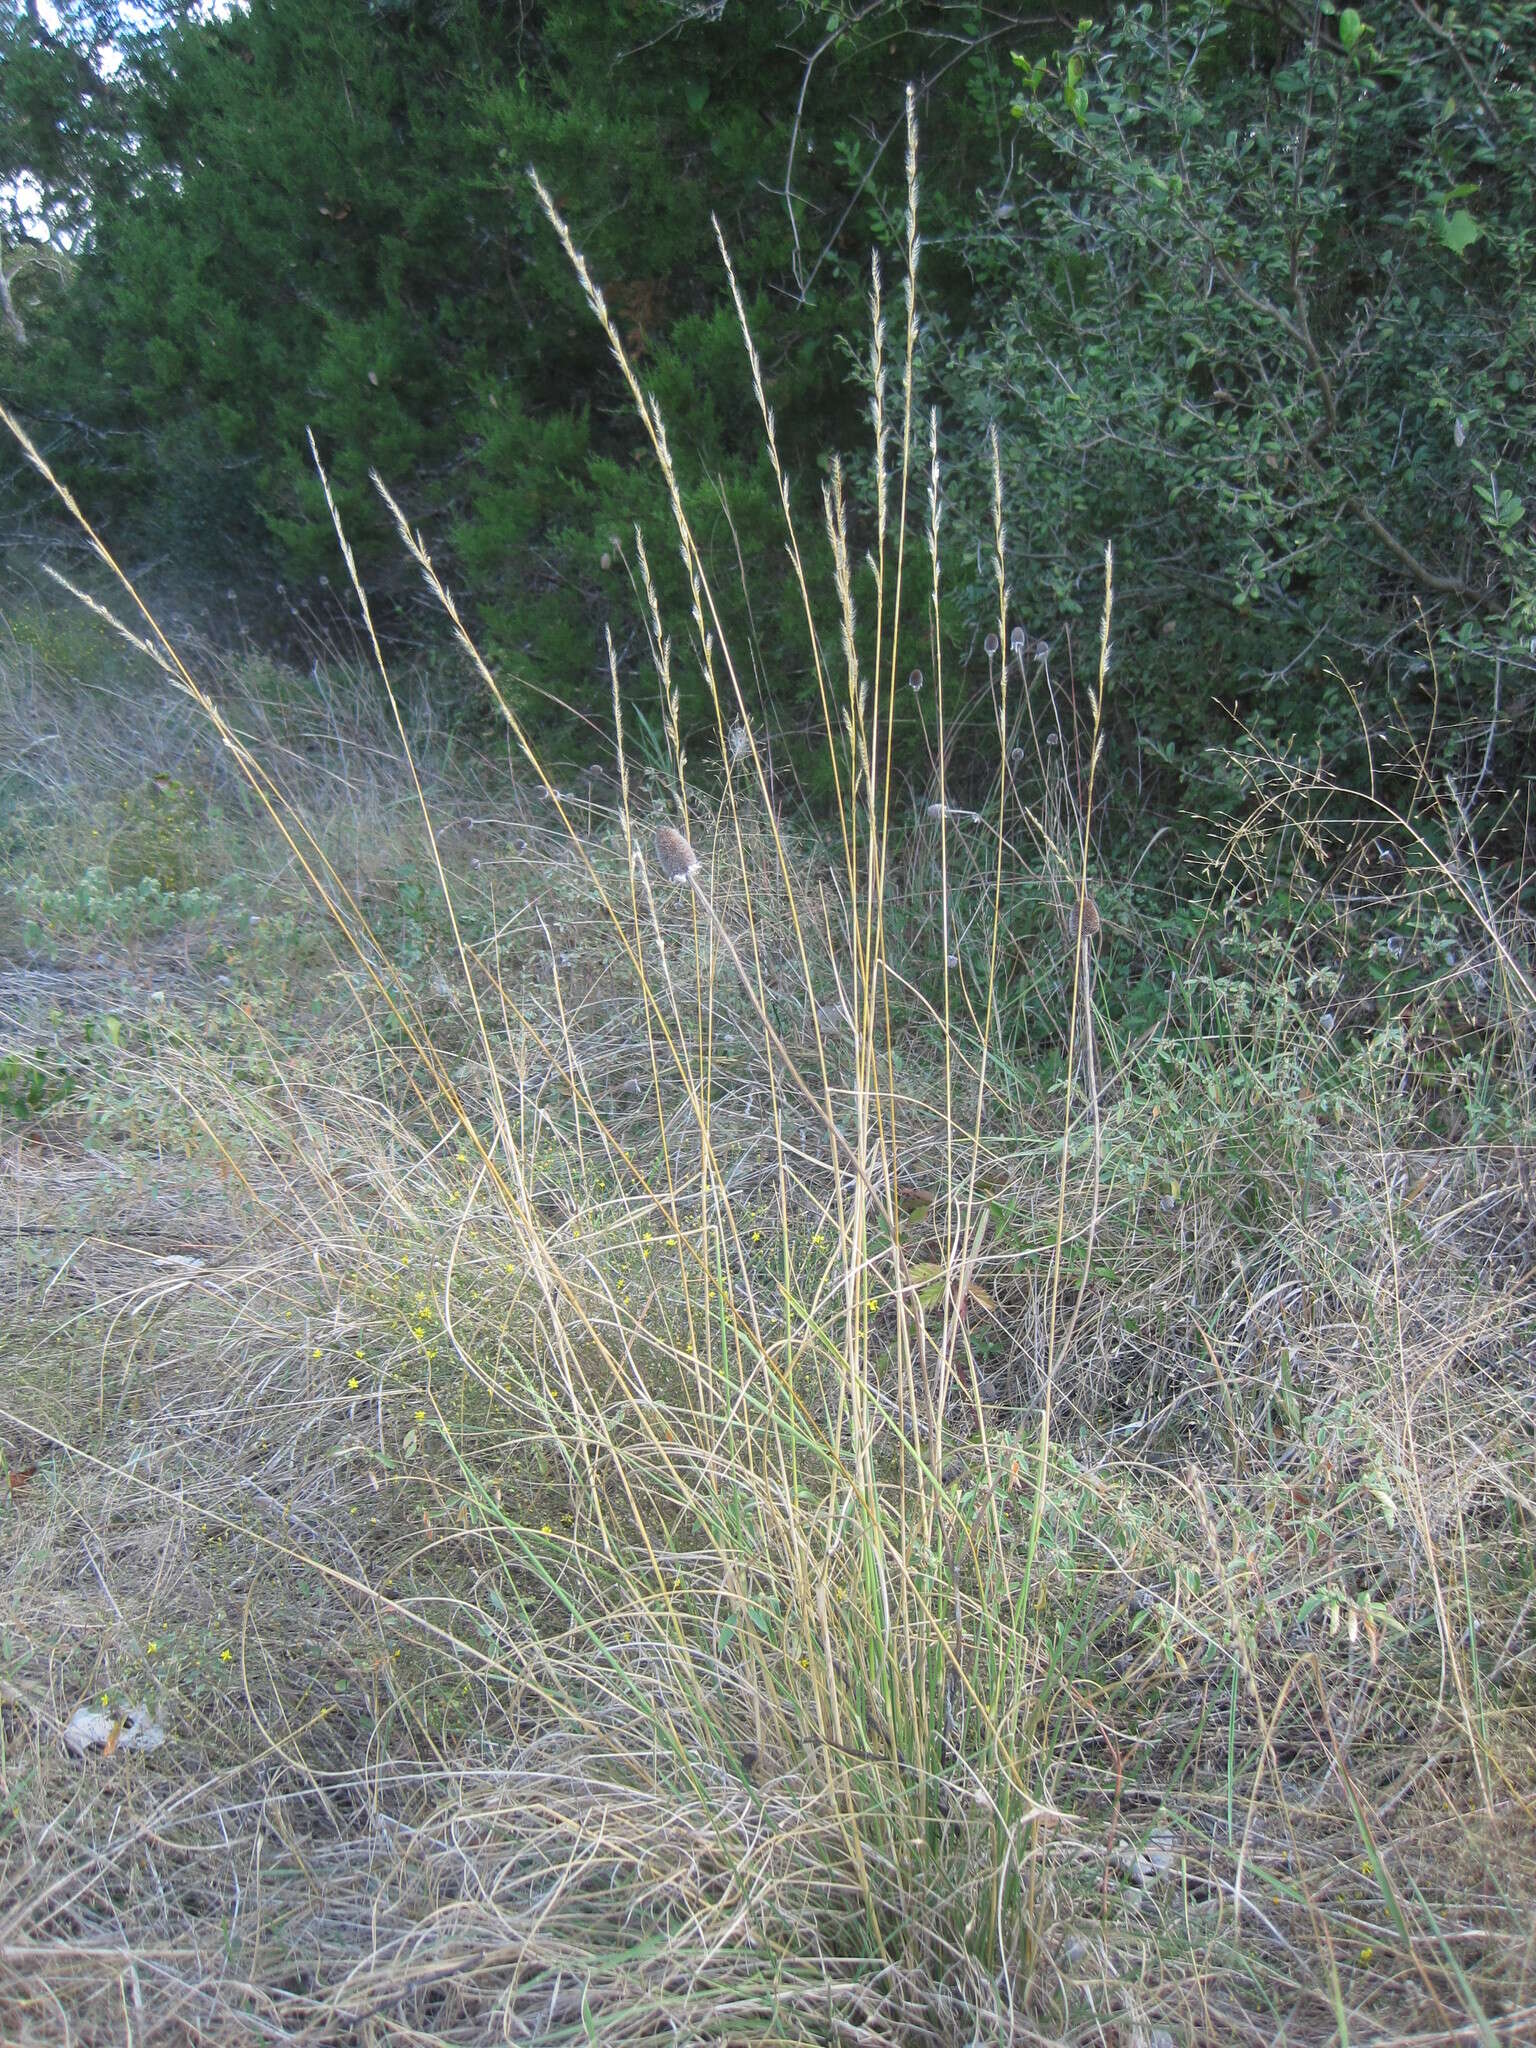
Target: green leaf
1351 27
1034 72
1458 231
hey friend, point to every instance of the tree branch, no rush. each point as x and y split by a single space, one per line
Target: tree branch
1446 36
1447 586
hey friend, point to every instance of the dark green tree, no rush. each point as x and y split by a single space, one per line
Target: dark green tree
323 221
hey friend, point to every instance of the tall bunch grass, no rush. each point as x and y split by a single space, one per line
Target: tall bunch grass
811 1690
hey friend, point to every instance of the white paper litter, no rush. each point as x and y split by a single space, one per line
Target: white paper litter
97 1728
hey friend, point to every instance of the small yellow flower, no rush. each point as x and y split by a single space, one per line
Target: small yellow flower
317 1352
1367 1955
360 1354
873 1304
152 1648
353 1382
818 1239
418 1332
421 1414
545 1529
225 1656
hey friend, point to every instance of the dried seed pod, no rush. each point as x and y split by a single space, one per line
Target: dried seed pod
1092 924
677 858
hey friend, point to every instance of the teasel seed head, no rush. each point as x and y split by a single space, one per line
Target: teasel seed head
677 858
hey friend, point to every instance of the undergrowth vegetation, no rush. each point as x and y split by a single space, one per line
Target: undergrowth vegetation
700 1426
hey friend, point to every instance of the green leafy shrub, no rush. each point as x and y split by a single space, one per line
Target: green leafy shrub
1258 300
31 1083
145 909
